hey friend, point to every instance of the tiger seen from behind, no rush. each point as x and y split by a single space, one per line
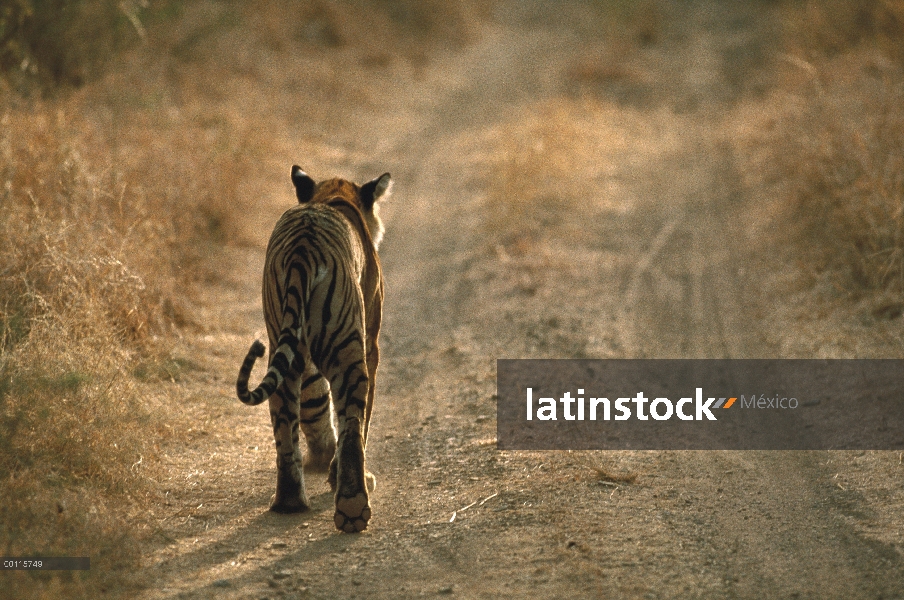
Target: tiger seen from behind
323 303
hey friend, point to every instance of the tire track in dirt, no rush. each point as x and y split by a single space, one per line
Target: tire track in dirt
455 517
244 551
774 524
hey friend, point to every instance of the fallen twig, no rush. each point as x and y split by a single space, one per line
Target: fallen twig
476 502
488 498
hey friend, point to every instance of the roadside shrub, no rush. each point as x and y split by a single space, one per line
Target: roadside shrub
65 41
828 144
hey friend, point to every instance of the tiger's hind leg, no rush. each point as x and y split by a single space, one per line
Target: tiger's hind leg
315 416
290 494
350 384
352 499
370 480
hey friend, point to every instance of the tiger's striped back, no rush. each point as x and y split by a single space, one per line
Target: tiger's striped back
315 260
322 300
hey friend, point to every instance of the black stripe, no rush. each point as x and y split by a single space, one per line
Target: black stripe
357 365
310 380
326 364
334 355
314 402
298 363
327 313
281 363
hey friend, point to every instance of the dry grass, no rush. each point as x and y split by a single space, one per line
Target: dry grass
556 155
559 163
75 310
94 261
117 190
611 64
539 167
64 42
831 27
827 145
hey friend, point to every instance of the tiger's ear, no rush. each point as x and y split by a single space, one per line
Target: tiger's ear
376 190
304 185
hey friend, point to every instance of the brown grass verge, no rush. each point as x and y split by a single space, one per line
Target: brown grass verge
553 167
824 151
93 268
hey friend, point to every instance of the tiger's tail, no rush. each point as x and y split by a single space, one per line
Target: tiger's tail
276 374
287 345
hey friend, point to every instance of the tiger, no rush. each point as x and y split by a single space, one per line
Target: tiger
323 304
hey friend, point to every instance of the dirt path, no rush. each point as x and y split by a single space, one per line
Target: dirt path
629 270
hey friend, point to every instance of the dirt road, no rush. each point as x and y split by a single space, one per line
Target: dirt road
502 242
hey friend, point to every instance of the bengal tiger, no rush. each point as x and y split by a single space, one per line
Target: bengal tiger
323 303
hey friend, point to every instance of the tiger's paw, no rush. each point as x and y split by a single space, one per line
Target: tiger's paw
352 514
352 503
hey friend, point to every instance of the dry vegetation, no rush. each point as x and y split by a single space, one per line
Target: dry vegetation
824 151
554 166
132 132
130 135
101 234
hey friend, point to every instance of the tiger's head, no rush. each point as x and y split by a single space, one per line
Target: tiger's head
365 197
